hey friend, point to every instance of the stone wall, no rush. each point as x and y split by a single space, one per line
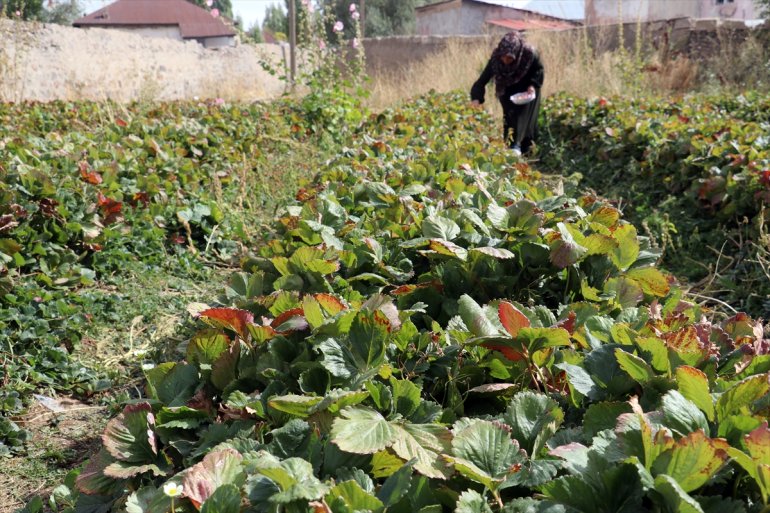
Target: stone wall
47 62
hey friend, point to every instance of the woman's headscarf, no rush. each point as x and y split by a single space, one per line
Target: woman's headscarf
522 54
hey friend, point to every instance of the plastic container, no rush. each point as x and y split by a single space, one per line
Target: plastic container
523 98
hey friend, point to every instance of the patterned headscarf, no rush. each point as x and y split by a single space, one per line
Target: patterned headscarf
522 54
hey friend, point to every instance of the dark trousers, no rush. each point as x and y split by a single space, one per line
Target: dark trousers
520 123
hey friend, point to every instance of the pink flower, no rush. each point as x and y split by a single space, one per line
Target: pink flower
355 42
18 13
209 3
322 44
353 8
356 15
215 13
219 101
338 27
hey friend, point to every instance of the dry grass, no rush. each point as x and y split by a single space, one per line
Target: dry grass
580 62
572 65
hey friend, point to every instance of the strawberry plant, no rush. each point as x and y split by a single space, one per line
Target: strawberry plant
427 328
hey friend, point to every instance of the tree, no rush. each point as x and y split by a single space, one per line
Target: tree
61 13
383 17
225 7
276 20
764 6
255 34
27 9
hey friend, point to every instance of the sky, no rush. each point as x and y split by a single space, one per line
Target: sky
252 11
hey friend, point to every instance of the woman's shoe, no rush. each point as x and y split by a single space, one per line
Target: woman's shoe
516 150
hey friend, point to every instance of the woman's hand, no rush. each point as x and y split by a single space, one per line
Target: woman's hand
531 89
476 104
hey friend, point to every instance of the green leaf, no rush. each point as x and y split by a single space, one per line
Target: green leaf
639 370
426 443
674 497
405 396
601 416
92 480
681 415
385 464
353 496
206 346
396 485
652 281
581 381
294 477
533 418
436 227
742 395
693 460
627 251
536 339
471 501
694 385
225 499
129 436
474 317
173 384
181 417
654 350
362 431
484 452
295 405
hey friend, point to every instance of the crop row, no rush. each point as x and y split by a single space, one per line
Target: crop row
695 174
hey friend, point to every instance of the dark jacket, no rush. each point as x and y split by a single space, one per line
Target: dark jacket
534 78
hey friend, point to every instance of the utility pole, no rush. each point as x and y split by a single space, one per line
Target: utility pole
292 42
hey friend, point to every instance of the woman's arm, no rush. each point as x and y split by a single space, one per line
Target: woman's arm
479 87
536 74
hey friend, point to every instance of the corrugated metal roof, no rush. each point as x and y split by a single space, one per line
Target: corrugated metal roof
531 24
574 10
193 21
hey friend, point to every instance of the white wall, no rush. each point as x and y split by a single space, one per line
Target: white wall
170 31
49 62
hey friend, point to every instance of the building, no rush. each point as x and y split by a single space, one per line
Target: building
611 11
474 17
175 19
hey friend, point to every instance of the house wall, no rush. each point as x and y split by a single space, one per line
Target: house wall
600 12
217 42
737 10
171 32
464 19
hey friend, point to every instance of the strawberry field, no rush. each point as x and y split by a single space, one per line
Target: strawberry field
429 324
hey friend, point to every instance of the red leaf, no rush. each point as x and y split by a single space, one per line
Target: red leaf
508 352
230 318
296 315
513 320
110 208
568 323
91 177
120 122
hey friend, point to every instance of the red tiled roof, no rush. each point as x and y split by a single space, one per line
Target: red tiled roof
193 21
531 24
